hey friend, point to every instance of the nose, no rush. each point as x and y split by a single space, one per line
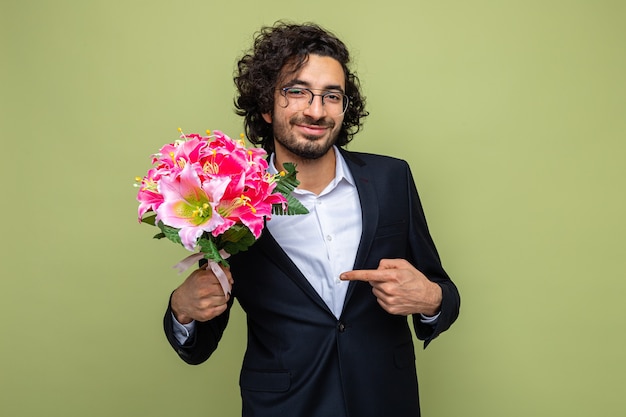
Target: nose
316 109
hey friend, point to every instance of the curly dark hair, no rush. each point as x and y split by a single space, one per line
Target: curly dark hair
258 71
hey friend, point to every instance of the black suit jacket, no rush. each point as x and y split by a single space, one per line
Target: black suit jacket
303 361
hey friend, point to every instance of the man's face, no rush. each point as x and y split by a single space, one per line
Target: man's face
311 132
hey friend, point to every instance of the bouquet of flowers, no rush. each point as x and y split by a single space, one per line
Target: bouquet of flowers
212 195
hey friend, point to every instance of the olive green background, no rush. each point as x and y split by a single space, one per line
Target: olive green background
511 114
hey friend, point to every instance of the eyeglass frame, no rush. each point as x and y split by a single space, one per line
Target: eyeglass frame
346 98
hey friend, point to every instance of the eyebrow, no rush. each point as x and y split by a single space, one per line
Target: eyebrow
306 84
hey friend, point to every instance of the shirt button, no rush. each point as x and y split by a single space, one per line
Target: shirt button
329 238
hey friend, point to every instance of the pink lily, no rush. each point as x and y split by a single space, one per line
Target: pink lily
148 196
190 204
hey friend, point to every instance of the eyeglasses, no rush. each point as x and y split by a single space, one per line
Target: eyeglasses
300 98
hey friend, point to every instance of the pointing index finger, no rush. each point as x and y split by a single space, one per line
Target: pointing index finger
366 275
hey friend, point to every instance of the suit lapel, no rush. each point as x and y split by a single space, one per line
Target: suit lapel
369 210
364 180
279 257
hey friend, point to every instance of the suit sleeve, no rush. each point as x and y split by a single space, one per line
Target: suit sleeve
205 339
423 255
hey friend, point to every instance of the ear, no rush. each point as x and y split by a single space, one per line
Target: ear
267 117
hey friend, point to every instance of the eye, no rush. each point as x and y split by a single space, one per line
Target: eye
332 97
295 92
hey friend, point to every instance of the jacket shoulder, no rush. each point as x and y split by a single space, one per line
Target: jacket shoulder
364 158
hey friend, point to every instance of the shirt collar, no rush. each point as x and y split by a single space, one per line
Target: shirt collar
342 172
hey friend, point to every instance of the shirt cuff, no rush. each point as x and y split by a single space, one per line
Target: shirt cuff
428 319
183 332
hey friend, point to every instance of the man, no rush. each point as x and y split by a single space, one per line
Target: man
326 294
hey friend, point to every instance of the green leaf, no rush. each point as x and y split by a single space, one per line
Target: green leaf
149 218
211 252
237 239
294 206
285 185
170 232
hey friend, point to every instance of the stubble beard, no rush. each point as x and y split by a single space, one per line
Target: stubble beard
314 147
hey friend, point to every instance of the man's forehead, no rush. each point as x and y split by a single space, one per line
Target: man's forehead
318 71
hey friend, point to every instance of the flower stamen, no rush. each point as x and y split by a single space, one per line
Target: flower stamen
202 212
245 201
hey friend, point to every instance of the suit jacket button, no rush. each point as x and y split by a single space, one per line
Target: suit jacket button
341 327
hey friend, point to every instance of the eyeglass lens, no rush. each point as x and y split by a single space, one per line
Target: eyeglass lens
334 102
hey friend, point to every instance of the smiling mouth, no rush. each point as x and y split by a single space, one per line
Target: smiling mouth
311 127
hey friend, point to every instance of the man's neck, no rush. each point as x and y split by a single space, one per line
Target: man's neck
314 174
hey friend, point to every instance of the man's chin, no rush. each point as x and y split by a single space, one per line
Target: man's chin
311 152
306 146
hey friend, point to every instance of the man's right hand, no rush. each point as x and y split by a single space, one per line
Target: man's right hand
200 297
